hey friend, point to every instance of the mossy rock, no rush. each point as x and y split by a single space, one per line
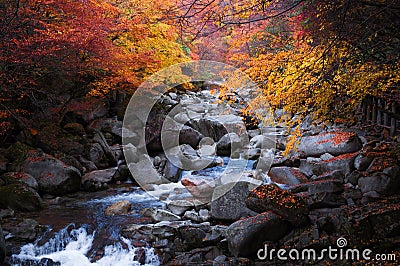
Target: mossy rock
19 196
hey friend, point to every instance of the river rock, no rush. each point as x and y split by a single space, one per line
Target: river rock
228 144
20 196
53 176
335 143
98 180
12 177
290 207
216 126
287 175
188 135
317 166
262 142
229 201
144 172
200 189
245 237
172 172
160 215
179 207
118 208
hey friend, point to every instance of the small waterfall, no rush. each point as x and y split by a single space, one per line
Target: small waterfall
70 247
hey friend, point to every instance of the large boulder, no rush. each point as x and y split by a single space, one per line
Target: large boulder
245 237
290 207
318 166
12 177
98 180
217 126
229 201
53 176
21 197
188 135
335 143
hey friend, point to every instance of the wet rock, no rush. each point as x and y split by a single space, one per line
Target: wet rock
335 143
287 175
290 207
2 246
245 237
228 144
229 201
118 208
179 207
20 196
12 177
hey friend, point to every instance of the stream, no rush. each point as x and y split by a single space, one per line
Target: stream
79 233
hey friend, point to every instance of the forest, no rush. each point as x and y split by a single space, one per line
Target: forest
309 57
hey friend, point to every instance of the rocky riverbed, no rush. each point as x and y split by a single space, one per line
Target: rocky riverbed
217 198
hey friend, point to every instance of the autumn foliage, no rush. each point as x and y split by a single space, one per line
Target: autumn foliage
55 51
308 57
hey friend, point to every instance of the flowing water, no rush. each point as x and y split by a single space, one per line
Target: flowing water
80 234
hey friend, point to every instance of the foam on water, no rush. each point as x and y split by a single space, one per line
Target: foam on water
71 247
